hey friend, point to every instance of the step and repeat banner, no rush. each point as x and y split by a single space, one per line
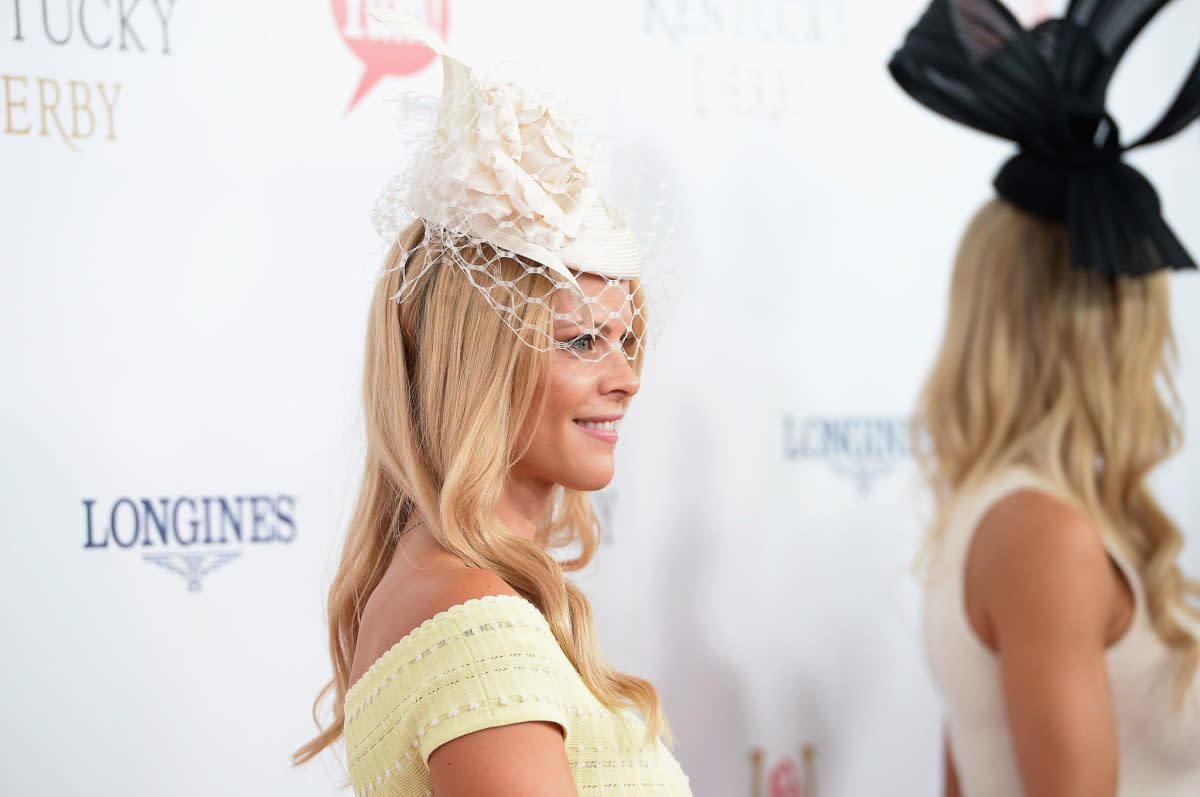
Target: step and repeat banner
187 261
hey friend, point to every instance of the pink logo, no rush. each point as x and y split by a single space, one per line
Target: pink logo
1030 12
382 51
784 780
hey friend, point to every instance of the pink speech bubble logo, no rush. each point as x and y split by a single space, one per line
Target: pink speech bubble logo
382 51
1030 12
784 780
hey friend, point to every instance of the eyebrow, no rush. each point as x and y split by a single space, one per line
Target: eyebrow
605 330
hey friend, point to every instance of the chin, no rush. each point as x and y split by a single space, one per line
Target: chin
589 480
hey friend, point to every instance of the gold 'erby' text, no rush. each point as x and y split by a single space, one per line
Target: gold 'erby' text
70 110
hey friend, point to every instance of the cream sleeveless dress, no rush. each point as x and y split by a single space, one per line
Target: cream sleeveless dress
1159 747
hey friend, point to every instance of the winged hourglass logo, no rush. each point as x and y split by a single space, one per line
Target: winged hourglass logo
192 566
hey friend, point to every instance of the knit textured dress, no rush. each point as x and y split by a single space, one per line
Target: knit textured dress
482 664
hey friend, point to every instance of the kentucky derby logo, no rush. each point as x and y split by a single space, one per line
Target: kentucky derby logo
862 449
743 53
821 23
74 111
787 777
190 536
381 50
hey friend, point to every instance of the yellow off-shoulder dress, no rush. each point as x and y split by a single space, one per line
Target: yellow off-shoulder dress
485 663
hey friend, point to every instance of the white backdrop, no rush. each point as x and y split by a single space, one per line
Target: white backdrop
187 263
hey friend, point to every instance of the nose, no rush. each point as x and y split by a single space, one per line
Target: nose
619 380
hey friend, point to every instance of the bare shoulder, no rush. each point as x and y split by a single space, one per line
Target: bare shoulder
406 597
1033 528
451 586
1037 567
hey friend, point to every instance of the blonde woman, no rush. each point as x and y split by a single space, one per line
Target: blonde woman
1057 623
504 344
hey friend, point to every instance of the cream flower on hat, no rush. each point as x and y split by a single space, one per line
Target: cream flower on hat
517 165
503 166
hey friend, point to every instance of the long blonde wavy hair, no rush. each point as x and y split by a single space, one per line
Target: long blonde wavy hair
446 387
1069 373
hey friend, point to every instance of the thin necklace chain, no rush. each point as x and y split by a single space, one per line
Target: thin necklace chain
407 529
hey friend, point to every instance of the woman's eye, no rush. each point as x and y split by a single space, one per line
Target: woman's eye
582 342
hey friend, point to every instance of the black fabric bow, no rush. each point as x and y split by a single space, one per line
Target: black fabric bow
973 62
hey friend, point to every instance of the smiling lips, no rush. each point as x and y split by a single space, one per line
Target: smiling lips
603 428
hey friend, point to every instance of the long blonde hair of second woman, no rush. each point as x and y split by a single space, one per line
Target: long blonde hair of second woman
446 387
1069 373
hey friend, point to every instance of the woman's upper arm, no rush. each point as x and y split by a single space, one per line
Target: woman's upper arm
528 759
1048 592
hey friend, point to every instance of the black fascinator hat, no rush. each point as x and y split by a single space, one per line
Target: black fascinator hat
972 61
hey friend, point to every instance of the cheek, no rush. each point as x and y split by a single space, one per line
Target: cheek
569 389
557 451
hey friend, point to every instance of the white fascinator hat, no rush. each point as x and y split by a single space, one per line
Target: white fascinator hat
502 176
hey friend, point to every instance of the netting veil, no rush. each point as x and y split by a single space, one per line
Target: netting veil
973 62
507 195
